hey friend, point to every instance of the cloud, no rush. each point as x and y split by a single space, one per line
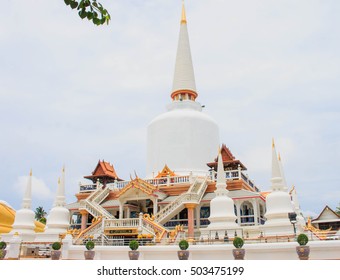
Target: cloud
39 189
76 93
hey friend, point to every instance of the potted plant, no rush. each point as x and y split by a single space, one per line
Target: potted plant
89 254
238 252
302 250
183 254
56 253
133 254
3 252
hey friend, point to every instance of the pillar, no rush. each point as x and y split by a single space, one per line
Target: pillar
121 209
155 206
127 212
191 222
238 211
256 215
198 216
84 217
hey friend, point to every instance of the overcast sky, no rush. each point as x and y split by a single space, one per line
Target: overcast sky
73 93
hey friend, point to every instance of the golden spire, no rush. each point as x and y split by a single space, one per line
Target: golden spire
31 172
58 180
184 17
279 157
273 143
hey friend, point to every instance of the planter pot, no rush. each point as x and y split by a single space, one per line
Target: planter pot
89 255
303 252
183 255
239 254
55 255
2 254
133 255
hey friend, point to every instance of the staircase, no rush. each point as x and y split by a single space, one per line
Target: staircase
146 224
92 203
193 195
90 231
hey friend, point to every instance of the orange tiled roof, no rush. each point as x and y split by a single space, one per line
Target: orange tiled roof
227 158
165 172
139 184
104 169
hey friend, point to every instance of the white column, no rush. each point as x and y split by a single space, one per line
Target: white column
238 211
121 209
198 216
155 206
127 212
239 172
256 215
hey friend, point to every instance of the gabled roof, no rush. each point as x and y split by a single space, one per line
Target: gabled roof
228 159
141 185
104 169
165 172
327 214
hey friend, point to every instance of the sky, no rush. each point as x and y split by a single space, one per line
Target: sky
72 93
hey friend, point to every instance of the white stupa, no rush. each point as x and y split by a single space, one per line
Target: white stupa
24 218
222 214
58 220
285 186
278 203
184 137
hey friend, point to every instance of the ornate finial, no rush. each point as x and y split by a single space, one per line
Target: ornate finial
279 157
31 172
184 17
273 143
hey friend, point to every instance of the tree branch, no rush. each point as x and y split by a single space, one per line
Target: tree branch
91 10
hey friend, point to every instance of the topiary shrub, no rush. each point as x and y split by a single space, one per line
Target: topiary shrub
3 245
89 245
133 245
183 244
302 239
56 246
238 242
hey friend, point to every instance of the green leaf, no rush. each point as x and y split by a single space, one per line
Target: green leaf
89 15
96 21
67 2
74 4
82 13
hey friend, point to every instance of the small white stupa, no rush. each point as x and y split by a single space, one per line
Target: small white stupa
285 186
278 203
222 214
24 218
58 220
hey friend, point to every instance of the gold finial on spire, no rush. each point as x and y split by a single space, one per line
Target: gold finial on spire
184 17
279 157
31 172
273 143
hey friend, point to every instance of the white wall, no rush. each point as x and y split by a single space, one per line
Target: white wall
264 251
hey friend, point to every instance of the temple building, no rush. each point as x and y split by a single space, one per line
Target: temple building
194 188
182 169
